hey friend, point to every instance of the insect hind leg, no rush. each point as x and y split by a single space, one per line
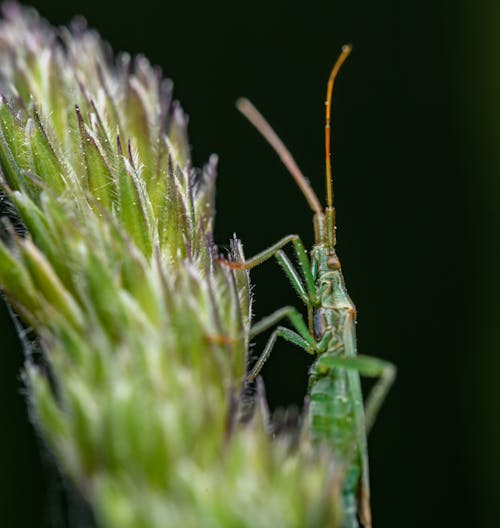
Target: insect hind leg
370 367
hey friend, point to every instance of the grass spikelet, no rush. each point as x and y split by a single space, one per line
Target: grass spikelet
109 258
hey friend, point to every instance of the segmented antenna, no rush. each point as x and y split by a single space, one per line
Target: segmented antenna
328 104
260 123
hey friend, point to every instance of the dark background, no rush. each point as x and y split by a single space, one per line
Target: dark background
417 183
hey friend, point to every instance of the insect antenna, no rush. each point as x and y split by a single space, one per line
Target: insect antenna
330 213
260 123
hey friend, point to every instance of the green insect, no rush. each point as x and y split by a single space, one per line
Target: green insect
338 417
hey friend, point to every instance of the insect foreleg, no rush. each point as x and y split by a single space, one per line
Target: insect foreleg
372 368
302 339
306 269
262 256
292 275
306 292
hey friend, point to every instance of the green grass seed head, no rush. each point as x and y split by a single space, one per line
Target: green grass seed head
115 270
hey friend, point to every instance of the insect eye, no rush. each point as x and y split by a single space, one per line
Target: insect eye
333 262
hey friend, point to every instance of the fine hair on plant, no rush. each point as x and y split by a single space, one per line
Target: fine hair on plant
136 332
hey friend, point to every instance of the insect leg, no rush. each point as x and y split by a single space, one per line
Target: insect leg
287 334
303 259
372 368
302 339
262 256
292 275
308 292
292 314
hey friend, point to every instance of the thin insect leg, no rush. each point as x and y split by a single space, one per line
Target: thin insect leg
303 259
293 315
260 257
386 372
307 293
302 338
285 333
293 275
372 368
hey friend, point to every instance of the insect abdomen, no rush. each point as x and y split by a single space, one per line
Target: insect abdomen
331 410
332 423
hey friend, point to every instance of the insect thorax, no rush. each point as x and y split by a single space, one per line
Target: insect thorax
329 281
334 308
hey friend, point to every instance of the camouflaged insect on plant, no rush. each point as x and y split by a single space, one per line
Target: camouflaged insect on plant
108 260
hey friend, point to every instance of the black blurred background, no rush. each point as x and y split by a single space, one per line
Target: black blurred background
416 163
